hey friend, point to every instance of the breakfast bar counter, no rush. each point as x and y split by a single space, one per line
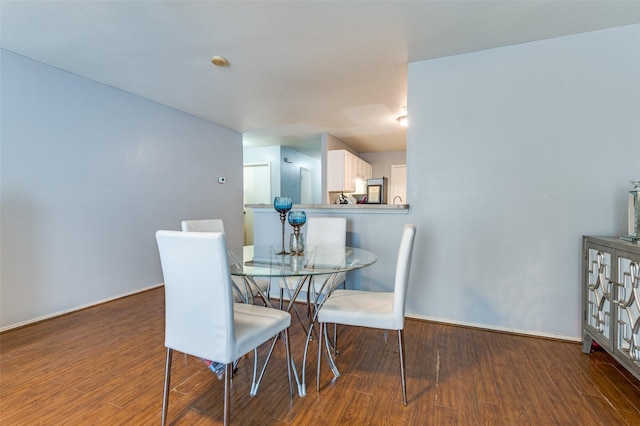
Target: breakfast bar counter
347 208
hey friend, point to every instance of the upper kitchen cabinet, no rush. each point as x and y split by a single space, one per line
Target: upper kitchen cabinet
347 172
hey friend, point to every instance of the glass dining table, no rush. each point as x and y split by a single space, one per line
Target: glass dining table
320 266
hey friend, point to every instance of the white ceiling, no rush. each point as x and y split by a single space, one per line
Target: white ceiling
296 68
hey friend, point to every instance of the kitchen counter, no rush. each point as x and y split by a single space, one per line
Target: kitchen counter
352 208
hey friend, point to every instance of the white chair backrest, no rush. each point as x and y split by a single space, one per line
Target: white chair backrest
403 267
198 297
327 230
203 225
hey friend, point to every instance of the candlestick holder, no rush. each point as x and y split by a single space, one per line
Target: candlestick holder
282 206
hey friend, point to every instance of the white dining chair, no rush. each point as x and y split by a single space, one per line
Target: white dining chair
217 225
201 318
320 231
383 310
203 225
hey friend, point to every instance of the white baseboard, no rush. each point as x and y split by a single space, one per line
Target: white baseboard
77 308
302 297
500 329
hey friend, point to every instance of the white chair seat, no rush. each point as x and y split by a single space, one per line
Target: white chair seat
248 336
360 308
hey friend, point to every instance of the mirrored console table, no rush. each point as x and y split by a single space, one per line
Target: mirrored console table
611 299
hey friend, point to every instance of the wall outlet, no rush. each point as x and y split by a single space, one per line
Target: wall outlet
222 179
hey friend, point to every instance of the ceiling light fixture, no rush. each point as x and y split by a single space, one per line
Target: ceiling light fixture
402 118
219 61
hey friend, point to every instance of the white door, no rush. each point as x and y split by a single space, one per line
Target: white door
398 184
306 186
257 190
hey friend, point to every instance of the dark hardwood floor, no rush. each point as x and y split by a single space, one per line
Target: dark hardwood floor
105 365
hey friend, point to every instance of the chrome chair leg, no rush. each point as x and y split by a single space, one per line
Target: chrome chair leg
255 383
322 329
332 342
402 369
288 351
227 390
167 384
254 388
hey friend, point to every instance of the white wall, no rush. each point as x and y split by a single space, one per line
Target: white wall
88 174
381 162
513 154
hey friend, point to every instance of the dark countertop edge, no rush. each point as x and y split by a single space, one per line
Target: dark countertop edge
388 207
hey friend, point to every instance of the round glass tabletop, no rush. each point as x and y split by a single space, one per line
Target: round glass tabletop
262 261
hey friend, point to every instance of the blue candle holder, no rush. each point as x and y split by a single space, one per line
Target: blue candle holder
297 218
282 206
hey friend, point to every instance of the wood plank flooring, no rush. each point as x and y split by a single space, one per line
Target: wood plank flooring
105 365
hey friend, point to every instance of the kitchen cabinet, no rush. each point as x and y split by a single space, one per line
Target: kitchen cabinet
347 172
611 299
363 172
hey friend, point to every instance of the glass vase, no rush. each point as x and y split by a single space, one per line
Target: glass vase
296 244
634 210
